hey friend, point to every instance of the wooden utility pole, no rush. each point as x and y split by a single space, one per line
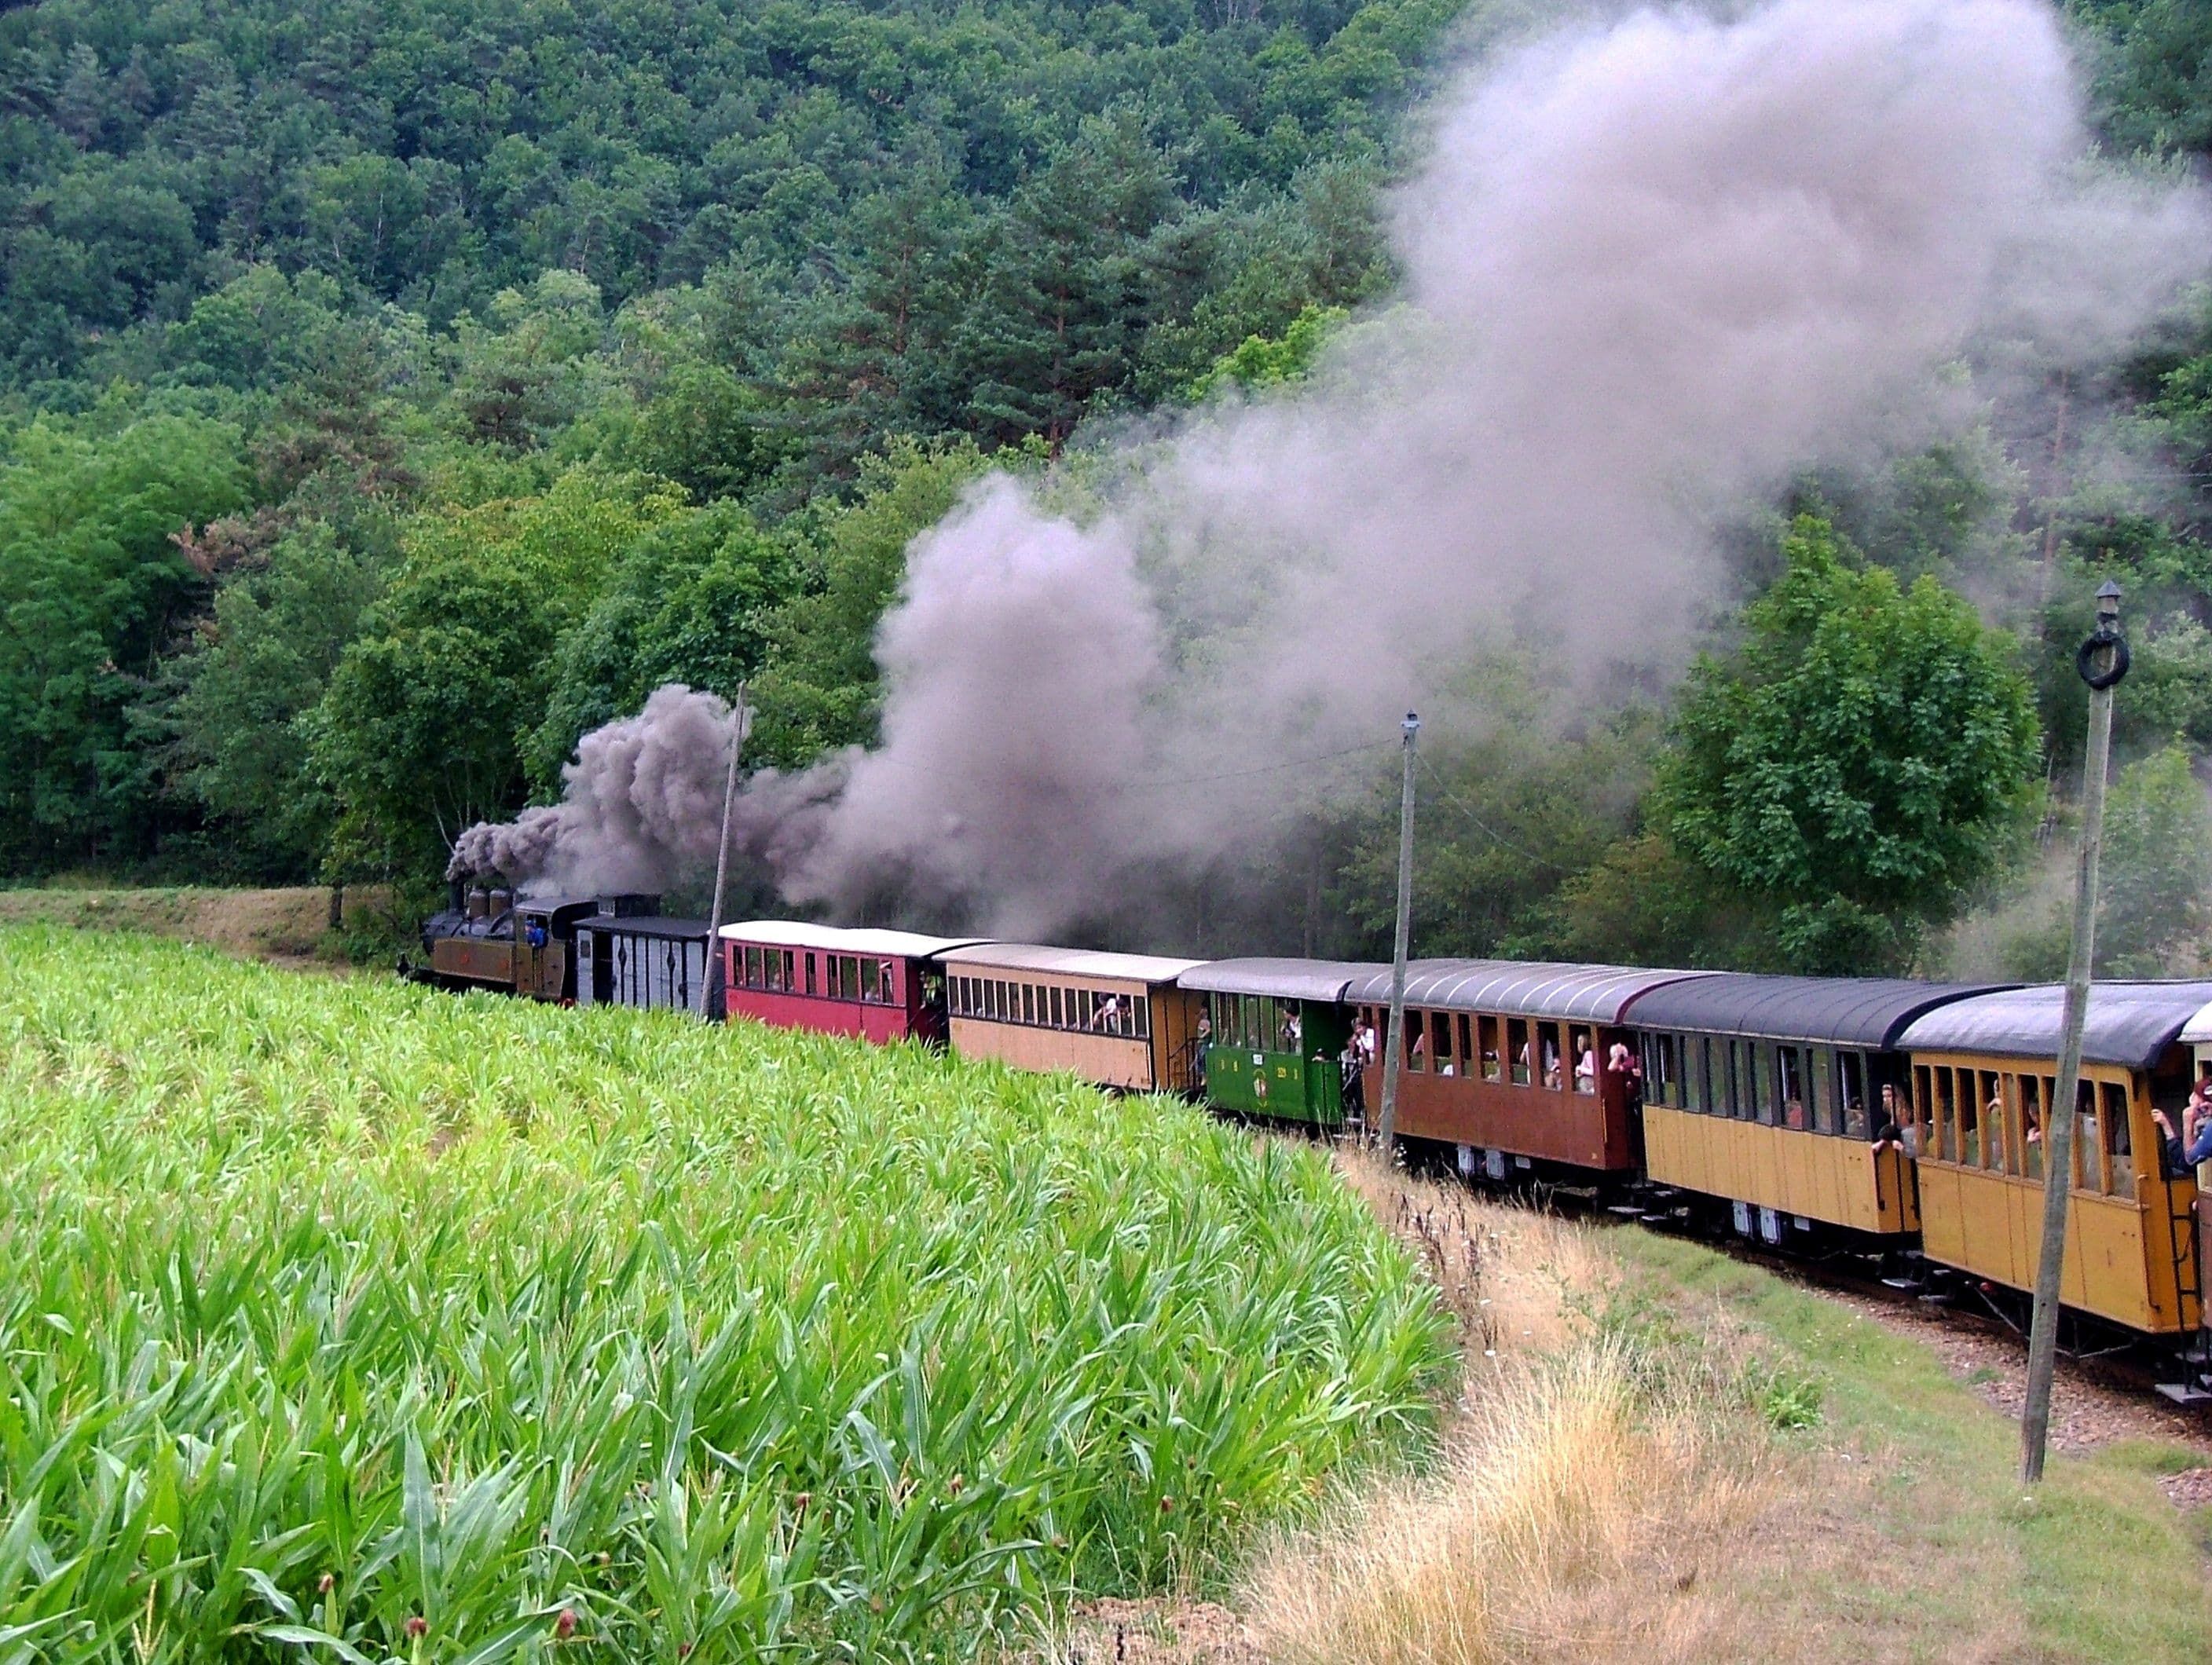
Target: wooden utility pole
2102 662
710 983
1394 1044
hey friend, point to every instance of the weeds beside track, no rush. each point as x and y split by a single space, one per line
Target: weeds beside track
349 1321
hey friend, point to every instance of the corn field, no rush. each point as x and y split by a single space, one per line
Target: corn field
344 1321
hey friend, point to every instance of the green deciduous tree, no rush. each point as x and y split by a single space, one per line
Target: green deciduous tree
2156 899
91 587
1859 763
820 689
426 723
277 636
692 602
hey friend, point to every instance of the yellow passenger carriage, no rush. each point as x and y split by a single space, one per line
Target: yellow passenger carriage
1983 1074
1769 1093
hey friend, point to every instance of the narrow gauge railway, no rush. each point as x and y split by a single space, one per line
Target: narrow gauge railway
1881 1122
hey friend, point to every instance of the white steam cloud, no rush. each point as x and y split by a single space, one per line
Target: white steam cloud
1650 267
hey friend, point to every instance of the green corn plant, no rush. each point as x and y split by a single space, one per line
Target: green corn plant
352 1322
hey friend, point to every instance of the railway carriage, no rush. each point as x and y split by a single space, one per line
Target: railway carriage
1495 1055
1766 1093
1982 1071
633 957
1278 1028
880 985
1116 1019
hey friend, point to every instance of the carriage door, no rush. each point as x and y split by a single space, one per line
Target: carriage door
600 973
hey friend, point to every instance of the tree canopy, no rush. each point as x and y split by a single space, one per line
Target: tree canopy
1860 760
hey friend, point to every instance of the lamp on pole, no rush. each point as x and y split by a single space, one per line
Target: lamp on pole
1394 1045
2102 661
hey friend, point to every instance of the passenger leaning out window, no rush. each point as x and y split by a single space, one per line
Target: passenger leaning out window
1894 1125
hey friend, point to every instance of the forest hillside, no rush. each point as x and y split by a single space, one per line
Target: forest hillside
391 394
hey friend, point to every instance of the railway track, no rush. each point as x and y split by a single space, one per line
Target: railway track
2094 1354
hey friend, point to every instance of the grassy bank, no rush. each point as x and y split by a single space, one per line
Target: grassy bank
283 923
1662 1453
351 1320
1921 1480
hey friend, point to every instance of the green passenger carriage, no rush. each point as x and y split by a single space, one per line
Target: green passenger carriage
1279 1030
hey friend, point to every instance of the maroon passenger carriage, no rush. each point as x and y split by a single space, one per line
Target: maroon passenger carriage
1491 1056
877 984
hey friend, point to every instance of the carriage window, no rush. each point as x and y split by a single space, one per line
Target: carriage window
1582 1047
1821 1072
1761 1107
1140 1016
1554 1045
1517 1044
1029 1003
1465 1051
2088 1151
1440 1040
1789 1088
1696 1088
1936 1114
1052 1006
810 973
1486 1033
2034 1094
1851 1087
1996 1134
836 969
1416 1041
1661 1084
2120 1166
1970 1121
868 980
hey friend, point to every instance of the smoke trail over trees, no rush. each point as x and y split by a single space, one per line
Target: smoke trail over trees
1649 267
641 804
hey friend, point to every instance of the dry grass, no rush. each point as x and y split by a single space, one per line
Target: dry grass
285 924
1598 1496
1663 1456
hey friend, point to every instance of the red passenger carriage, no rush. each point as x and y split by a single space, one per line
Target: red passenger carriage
878 984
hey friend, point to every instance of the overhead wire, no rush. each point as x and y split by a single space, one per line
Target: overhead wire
1489 831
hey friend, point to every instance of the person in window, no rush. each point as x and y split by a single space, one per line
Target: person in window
1108 1018
1551 1067
1894 1125
534 933
1586 1069
1292 1034
1367 1043
1993 1122
1205 1032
